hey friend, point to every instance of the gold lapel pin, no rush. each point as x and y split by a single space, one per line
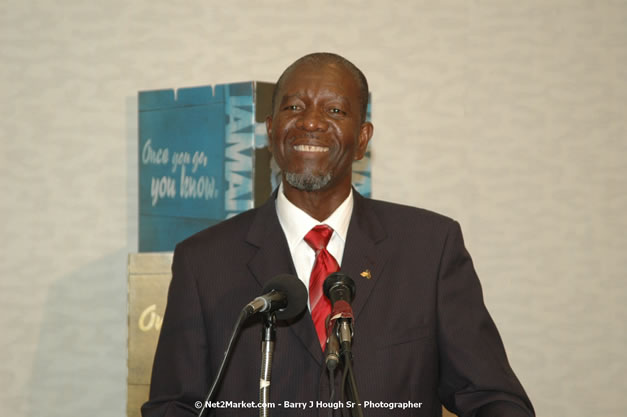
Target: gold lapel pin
366 274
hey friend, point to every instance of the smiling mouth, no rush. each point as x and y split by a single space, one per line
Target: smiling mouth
311 148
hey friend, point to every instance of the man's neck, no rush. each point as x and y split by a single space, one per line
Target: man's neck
319 204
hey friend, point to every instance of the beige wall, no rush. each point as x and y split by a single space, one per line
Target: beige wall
507 115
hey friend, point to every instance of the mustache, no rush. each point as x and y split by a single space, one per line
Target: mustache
305 135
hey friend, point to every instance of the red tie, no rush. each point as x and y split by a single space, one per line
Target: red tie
325 264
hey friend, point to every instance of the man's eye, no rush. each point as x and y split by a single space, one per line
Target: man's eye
335 110
292 107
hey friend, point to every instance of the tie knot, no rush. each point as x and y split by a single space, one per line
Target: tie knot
319 237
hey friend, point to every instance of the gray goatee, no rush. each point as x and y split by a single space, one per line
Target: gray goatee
307 181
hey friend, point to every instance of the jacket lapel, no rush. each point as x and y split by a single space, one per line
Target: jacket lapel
273 258
362 260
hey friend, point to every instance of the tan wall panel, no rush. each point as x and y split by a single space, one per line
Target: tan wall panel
148 281
137 395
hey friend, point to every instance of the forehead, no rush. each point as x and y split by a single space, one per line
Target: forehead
325 78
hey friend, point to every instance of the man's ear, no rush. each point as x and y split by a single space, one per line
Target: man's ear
365 134
269 131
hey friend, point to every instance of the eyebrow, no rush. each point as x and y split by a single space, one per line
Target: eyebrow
300 95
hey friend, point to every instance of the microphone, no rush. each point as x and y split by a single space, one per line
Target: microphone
284 294
340 290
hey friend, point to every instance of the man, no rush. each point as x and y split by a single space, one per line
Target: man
422 333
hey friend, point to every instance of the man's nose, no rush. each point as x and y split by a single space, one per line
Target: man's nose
313 120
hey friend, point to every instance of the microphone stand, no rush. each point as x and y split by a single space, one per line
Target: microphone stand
268 337
277 292
345 332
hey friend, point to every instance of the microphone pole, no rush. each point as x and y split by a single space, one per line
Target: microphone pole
331 358
268 337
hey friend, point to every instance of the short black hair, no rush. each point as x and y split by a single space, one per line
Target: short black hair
319 59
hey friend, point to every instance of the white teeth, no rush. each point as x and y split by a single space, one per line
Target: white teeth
310 148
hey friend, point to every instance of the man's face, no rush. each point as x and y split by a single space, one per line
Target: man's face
316 131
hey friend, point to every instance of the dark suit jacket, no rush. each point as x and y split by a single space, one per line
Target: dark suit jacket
422 332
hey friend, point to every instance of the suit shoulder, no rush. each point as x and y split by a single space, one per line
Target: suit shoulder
404 214
224 233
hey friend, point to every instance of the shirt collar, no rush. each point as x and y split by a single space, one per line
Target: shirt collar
296 223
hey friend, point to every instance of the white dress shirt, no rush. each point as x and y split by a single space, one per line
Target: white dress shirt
296 224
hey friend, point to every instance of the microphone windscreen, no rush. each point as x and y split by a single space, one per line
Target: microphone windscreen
339 285
295 292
